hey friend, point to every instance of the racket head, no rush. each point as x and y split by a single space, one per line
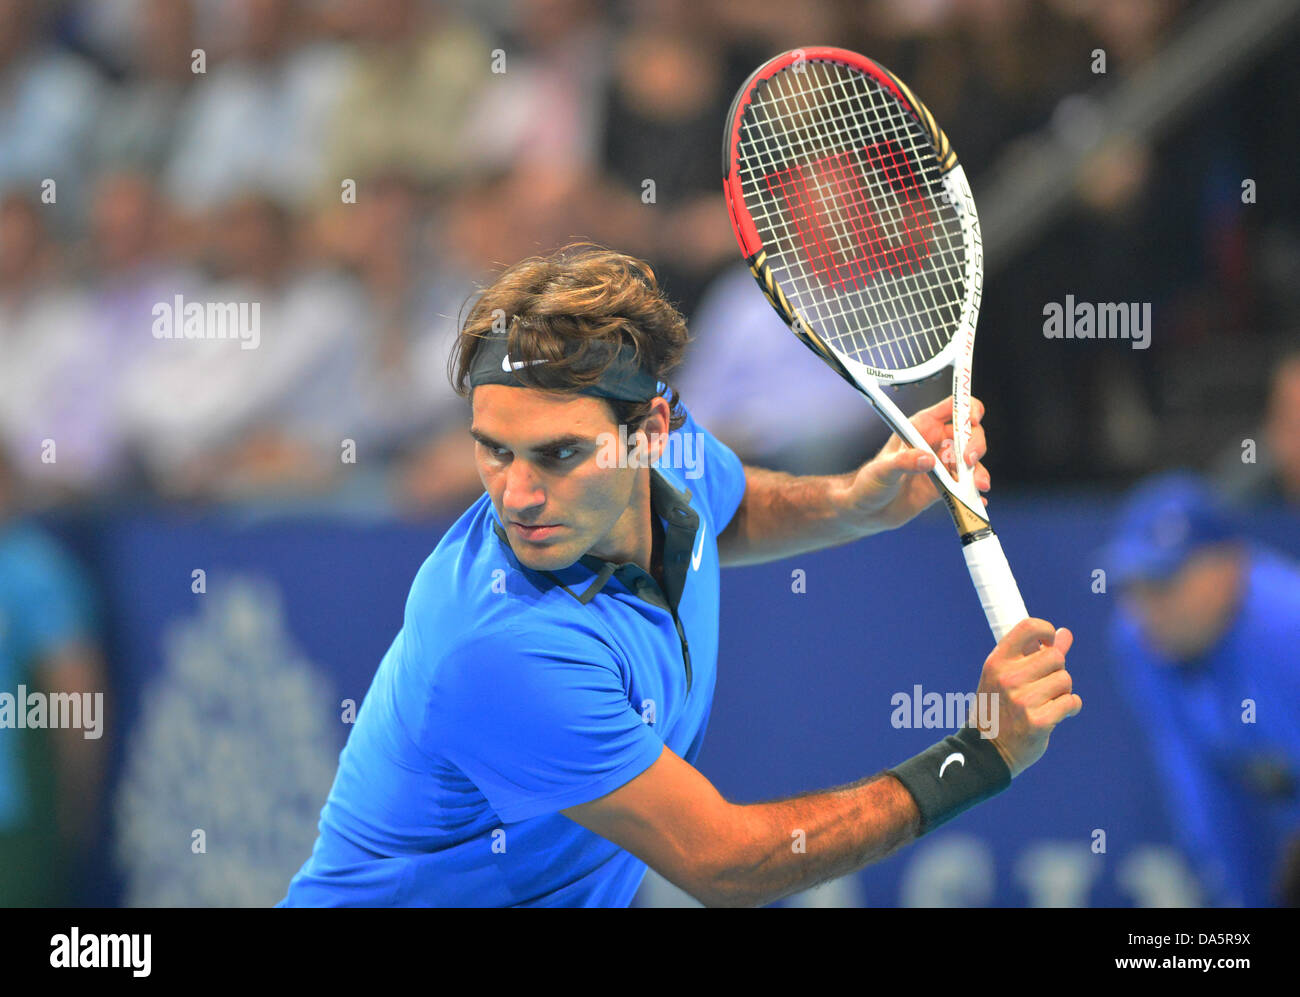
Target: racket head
855 216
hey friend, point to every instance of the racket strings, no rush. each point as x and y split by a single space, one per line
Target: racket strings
899 314
797 101
843 186
857 344
871 233
801 101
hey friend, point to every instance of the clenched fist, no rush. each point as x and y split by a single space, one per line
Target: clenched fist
1026 673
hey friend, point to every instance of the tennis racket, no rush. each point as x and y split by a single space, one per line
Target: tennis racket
858 224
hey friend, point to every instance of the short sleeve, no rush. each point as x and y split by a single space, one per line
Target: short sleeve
54 609
537 721
723 475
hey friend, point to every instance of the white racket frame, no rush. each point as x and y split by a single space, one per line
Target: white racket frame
989 569
985 560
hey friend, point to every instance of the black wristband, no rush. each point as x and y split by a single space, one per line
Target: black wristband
952 776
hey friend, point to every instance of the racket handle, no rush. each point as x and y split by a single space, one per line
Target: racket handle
998 592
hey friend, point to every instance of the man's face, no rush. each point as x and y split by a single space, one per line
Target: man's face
545 461
1186 614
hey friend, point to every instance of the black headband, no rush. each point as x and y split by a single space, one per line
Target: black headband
623 380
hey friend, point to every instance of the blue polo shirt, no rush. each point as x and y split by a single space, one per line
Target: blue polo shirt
511 694
1231 782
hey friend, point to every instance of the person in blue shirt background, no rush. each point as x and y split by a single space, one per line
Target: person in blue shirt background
50 778
528 738
1205 647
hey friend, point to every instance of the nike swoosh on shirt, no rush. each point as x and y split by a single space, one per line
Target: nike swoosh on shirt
698 554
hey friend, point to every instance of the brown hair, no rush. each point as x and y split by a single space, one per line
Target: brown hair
587 293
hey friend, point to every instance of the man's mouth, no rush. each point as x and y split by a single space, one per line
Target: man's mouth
540 532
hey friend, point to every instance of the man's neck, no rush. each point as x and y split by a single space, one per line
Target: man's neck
635 541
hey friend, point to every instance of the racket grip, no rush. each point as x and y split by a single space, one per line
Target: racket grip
998 592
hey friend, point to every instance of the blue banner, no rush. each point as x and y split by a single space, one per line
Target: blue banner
241 647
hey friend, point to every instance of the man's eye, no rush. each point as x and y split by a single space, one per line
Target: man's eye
560 456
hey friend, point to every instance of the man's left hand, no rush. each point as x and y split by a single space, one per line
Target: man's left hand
894 486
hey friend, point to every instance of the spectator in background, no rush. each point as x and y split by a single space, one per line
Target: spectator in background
214 418
44 321
59 338
546 107
49 100
258 119
142 112
406 96
1274 474
50 778
1205 648
661 126
472 229
595 100
758 29
130 271
417 256
385 240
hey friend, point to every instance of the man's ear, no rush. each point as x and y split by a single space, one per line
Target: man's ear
656 426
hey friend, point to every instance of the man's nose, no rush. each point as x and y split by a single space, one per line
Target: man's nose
523 488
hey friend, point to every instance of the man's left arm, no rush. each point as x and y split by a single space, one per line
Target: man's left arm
781 515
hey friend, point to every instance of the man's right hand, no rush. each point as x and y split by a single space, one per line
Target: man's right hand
1026 672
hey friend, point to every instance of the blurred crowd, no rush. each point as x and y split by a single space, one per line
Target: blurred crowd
356 166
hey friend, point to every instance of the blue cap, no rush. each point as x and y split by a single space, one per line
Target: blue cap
1162 523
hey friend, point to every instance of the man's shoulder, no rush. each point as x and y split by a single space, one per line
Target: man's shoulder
509 677
1274 595
465 550
1275 573
471 603
450 678
472 582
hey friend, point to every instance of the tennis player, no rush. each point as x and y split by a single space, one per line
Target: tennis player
528 738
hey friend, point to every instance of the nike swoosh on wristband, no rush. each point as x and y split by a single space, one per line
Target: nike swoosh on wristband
956 756
698 554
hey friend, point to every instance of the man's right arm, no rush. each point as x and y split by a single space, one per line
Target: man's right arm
728 855
725 854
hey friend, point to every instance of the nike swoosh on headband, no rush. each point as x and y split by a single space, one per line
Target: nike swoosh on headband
508 365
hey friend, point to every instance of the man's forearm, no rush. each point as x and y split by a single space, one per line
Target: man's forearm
783 514
78 670
794 844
